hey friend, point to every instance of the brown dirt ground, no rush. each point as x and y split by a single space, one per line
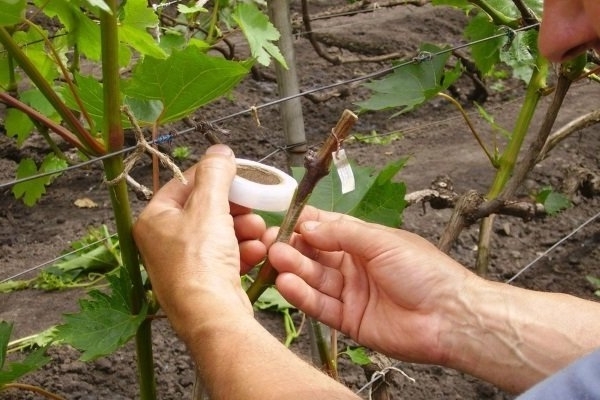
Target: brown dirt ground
434 137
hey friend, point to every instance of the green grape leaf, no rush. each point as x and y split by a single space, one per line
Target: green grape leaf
90 93
327 195
553 202
520 54
5 71
486 53
81 29
138 14
182 8
10 372
34 361
183 82
12 11
146 112
5 331
375 199
36 52
37 100
141 41
101 4
104 323
259 32
272 300
384 202
412 84
595 282
31 191
357 354
17 124
172 40
133 28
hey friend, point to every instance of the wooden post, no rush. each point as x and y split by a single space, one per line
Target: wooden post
287 82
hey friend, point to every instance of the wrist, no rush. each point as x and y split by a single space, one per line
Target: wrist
189 308
507 335
473 316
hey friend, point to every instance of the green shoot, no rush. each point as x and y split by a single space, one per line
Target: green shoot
596 283
357 354
181 153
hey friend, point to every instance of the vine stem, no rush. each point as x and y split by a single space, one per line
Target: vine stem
470 202
510 155
317 166
32 113
322 338
113 166
569 72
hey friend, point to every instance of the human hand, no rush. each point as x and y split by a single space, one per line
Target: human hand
194 244
386 288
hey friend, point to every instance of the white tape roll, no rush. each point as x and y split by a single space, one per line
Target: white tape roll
261 187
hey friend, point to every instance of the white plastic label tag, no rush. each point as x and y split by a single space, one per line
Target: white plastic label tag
344 170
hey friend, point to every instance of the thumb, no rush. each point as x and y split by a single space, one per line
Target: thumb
212 181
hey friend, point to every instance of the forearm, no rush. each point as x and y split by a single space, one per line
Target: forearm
239 359
514 337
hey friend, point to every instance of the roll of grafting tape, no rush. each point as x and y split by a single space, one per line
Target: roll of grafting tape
261 187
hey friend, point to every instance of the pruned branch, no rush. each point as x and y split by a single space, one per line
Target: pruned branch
567 130
349 10
470 206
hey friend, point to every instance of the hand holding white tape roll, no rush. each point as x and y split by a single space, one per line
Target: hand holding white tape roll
261 187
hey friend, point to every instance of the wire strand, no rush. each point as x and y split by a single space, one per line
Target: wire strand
57 259
415 60
554 246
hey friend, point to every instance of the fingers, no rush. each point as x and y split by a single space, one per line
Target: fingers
314 303
252 252
248 229
328 281
248 226
212 181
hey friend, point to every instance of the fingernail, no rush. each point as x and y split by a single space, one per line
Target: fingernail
310 225
220 149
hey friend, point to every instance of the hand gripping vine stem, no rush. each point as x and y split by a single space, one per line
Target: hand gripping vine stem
317 166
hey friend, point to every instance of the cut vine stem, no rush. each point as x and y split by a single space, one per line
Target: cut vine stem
317 166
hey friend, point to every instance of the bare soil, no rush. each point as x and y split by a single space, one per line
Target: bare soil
434 137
